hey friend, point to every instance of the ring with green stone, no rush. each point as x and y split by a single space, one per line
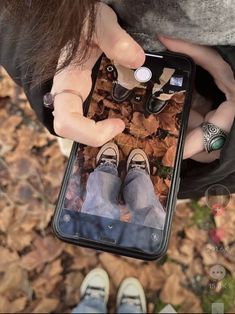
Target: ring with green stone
213 137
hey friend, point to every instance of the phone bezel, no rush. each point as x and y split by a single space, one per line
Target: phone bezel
171 202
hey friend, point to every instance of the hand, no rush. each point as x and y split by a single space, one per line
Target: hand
223 117
69 121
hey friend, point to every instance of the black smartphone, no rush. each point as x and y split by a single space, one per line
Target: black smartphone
121 197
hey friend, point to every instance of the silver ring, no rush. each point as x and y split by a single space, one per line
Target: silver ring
49 98
213 137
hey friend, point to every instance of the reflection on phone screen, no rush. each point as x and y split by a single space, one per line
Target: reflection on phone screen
124 185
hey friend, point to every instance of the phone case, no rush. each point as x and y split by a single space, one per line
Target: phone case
109 99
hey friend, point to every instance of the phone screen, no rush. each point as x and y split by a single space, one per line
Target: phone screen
120 194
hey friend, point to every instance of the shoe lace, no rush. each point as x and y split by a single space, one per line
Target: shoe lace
131 300
94 292
138 165
108 160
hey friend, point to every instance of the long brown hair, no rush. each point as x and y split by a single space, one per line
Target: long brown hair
51 25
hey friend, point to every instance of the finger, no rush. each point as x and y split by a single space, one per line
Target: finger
76 77
86 131
195 119
68 111
193 143
116 43
209 59
205 157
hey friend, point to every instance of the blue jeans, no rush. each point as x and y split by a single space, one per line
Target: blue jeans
97 306
103 188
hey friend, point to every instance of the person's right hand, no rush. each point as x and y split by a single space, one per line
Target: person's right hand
69 121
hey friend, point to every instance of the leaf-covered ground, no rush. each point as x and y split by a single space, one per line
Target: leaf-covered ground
39 274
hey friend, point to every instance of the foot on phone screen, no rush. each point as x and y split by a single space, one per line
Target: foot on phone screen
108 155
138 160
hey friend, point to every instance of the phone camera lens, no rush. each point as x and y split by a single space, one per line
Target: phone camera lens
110 68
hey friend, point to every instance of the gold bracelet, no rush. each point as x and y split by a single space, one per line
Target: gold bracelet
49 98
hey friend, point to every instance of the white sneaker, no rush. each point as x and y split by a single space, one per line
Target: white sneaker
132 293
95 285
108 154
138 159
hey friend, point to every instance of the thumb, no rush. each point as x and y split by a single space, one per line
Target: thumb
114 41
209 59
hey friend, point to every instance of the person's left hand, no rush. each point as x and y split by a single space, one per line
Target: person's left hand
209 59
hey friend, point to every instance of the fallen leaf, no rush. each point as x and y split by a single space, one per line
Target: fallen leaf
6 215
111 263
73 281
46 250
46 305
169 157
7 257
15 279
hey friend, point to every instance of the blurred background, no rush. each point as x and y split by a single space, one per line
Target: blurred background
40 274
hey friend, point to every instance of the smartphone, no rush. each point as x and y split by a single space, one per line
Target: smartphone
121 197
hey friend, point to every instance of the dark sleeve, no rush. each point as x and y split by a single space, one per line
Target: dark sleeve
11 52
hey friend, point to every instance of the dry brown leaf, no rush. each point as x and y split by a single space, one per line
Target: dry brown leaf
112 263
16 242
6 216
191 303
195 268
109 104
46 305
152 277
73 281
18 305
169 157
145 126
31 261
154 147
45 286
126 143
26 138
7 257
10 124
15 279
198 236
172 291
22 166
47 249
15 306
22 192
181 250
81 262
179 97
7 85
